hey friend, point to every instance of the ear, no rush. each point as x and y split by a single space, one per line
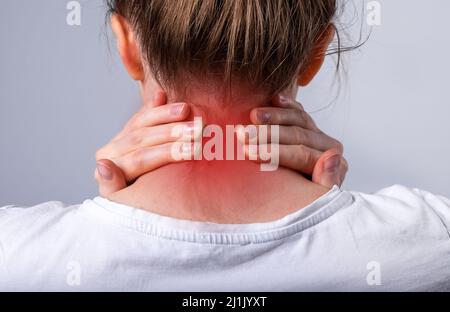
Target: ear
317 57
128 47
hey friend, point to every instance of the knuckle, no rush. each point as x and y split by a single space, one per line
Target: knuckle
308 120
301 149
135 138
309 159
303 155
300 117
135 162
339 146
300 136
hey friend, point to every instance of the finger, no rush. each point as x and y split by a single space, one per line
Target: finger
282 117
296 157
328 170
150 136
159 99
109 177
145 160
283 101
149 117
288 135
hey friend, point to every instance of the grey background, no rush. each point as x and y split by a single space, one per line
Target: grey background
63 95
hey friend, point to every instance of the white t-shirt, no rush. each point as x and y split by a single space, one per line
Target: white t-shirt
395 240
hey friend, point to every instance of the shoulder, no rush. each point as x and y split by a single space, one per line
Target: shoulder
43 207
21 225
408 206
31 216
33 237
403 230
404 197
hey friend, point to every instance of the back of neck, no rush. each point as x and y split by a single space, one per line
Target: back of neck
227 192
221 191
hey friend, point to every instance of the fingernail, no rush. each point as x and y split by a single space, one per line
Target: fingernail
177 110
264 117
333 163
189 129
105 172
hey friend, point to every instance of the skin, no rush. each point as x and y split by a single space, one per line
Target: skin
142 149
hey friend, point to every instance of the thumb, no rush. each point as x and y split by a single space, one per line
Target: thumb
110 178
327 170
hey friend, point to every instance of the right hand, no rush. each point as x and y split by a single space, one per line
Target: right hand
142 146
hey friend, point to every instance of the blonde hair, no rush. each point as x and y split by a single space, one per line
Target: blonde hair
261 44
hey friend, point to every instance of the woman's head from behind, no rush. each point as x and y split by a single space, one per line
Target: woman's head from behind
228 46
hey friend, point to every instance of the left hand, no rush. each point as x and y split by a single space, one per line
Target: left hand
303 147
